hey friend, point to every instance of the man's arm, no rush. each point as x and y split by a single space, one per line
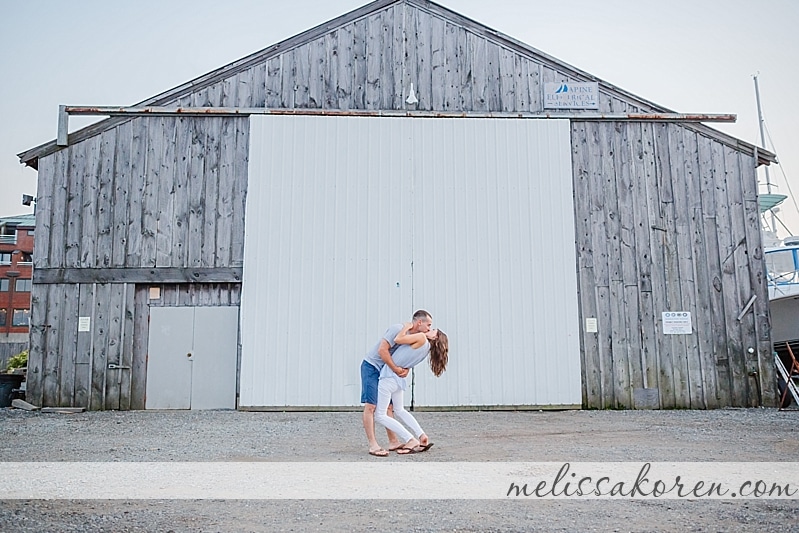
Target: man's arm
382 350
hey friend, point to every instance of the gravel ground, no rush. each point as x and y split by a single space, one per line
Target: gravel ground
584 436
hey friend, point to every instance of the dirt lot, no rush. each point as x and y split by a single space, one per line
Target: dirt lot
577 436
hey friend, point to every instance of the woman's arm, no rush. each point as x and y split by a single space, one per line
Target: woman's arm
416 340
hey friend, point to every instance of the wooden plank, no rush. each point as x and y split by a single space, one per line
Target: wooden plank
288 80
452 96
274 82
113 377
138 372
149 206
44 203
710 255
58 202
180 213
137 187
121 196
534 86
100 340
410 66
165 201
374 60
589 354
67 352
662 248
397 63
465 77
507 80
302 58
228 87
240 173
83 350
245 86
51 363
330 72
438 63
388 92
346 67
423 72
105 199
687 208
224 198
196 194
74 206
318 71
88 235
521 93
136 275
258 85
493 79
477 53
37 355
213 128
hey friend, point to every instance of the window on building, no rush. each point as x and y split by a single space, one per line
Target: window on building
24 257
3 314
23 285
21 317
5 258
3 285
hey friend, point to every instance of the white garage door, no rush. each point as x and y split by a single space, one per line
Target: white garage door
353 223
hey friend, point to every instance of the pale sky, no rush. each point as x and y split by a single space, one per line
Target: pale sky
692 56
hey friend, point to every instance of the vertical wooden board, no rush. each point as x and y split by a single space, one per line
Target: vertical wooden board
149 208
521 66
423 68
165 210
507 80
712 264
643 175
245 81
452 65
180 214
100 340
346 67
58 204
302 62
258 85
37 354
329 72
212 147
74 206
534 86
199 98
410 54
387 69
52 361
83 349
44 203
121 193
274 82
318 71
228 96
240 169
398 57
91 183
693 292
740 292
581 162
360 36
105 199
138 183
477 54
68 349
196 192
437 63
288 79
227 182
113 377
662 259
127 340
374 61
465 77
138 372
493 80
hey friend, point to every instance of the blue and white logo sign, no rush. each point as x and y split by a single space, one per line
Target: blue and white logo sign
677 323
567 95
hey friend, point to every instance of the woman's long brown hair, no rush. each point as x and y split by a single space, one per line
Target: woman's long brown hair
439 353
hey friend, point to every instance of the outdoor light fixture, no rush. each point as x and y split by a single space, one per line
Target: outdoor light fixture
27 199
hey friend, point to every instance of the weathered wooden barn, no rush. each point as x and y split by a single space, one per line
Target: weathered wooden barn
242 239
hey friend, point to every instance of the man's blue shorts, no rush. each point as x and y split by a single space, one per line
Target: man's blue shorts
370 376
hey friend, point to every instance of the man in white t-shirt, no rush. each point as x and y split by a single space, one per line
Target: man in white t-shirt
374 361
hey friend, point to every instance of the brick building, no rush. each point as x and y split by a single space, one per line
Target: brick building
16 269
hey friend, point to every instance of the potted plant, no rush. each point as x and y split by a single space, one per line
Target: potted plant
13 377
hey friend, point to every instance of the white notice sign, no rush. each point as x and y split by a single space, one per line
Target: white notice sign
677 323
591 325
84 323
569 95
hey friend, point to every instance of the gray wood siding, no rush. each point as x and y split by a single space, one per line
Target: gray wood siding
667 220
69 368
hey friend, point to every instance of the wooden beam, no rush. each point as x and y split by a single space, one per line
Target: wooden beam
137 275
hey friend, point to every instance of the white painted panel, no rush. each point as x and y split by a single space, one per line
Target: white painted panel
344 214
327 255
214 355
168 362
497 264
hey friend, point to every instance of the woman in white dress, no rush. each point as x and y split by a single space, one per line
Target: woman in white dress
413 349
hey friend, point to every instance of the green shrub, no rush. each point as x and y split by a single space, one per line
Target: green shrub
18 361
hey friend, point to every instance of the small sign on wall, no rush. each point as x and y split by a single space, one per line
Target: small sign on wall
591 325
84 323
567 95
677 323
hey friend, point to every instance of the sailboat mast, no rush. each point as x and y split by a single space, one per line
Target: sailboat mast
763 144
